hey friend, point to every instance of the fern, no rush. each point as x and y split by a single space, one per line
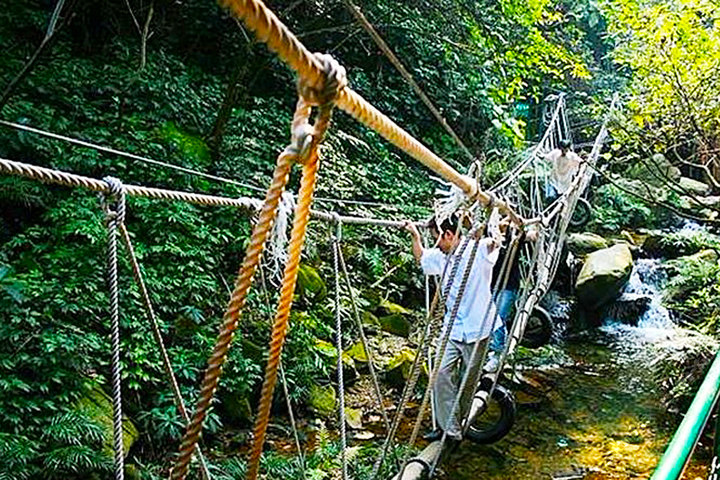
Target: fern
76 459
73 428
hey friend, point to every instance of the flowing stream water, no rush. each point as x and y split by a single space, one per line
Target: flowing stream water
590 409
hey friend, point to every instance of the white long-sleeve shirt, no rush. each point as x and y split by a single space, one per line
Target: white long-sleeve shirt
476 317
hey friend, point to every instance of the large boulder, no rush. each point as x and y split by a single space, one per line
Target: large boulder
655 171
603 276
584 243
694 186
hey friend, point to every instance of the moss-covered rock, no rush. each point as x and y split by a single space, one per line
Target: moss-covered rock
654 171
322 400
309 283
584 243
398 368
357 353
604 274
396 324
98 405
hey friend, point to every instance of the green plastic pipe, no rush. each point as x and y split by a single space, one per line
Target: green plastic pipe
688 433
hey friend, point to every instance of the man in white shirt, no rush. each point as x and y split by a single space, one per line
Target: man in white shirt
476 316
565 164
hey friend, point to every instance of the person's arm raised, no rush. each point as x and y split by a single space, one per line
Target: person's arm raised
417 245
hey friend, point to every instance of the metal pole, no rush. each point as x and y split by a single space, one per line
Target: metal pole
688 433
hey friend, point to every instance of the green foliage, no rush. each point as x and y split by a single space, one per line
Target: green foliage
694 292
71 444
614 210
670 50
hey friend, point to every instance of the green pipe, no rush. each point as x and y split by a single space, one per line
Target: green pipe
688 433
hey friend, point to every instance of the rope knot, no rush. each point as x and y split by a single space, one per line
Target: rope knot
335 80
114 200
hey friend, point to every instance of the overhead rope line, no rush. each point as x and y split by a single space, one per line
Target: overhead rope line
50 175
380 42
179 168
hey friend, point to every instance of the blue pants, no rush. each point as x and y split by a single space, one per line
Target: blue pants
505 304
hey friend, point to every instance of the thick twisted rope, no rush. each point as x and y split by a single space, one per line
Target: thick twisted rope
339 343
232 314
283 381
157 334
305 151
49 175
270 30
114 206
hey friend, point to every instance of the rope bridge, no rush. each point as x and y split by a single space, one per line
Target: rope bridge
322 86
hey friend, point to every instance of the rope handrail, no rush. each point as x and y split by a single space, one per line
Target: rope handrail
269 29
50 175
534 151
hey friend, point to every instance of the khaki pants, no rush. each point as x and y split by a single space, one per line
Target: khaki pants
447 384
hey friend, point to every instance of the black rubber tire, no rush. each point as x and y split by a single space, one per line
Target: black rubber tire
538 330
506 401
582 213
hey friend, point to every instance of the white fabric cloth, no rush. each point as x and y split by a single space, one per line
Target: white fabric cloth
471 323
564 168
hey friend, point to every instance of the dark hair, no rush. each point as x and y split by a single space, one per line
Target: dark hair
448 225
564 143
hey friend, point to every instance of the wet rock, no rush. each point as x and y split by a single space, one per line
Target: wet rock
604 274
363 435
396 324
98 406
322 400
694 186
584 243
629 308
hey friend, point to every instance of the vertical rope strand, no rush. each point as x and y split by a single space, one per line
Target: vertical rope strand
232 315
365 343
157 334
114 205
339 342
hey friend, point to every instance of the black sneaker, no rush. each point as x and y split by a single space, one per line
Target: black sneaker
434 435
